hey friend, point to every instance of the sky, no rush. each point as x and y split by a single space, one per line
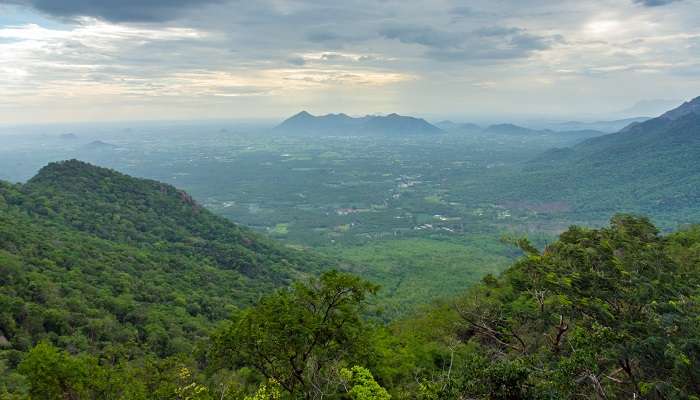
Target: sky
105 60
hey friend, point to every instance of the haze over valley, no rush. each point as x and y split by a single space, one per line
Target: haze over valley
363 191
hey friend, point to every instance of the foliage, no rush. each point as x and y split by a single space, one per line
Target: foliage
267 391
415 272
54 374
124 269
360 384
115 288
602 312
300 337
190 389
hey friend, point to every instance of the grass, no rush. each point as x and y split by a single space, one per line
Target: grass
420 270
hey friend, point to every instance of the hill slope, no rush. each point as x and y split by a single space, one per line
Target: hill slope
509 131
649 166
342 124
519 131
92 259
602 126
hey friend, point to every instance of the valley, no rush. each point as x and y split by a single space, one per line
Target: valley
431 243
362 198
320 190
445 199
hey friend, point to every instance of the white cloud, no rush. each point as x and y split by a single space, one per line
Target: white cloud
270 57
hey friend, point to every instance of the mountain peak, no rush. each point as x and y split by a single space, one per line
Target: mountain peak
301 114
108 194
508 129
81 179
689 107
55 171
454 126
342 124
99 144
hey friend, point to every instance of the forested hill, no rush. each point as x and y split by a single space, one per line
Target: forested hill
607 313
668 135
649 167
141 212
93 259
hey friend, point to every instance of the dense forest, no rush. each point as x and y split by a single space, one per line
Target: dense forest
119 288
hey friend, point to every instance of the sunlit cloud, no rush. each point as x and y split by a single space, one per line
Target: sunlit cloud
41 57
278 82
603 27
270 57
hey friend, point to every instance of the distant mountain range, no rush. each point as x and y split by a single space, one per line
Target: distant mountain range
395 124
509 129
454 126
676 131
343 125
568 126
603 126
515 130
651 166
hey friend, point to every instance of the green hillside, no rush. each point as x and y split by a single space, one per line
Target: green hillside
121 288
649 167
94 260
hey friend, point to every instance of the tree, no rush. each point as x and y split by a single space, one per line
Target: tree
54 374
302 336
360 384
267 391
189 389
599 313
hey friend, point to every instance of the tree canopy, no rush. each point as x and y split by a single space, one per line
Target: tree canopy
115 288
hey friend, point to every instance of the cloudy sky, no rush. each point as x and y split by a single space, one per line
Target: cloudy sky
94 60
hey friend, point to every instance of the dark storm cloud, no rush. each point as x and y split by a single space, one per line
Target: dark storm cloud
330 39
323 36
463 11
423 35
488 43
654 3
498 31
115 11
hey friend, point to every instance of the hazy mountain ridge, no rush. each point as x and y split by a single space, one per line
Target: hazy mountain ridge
509 129
681 124
99 145
602 126
457 126
607 126
656 160
342 124
393 124
513 130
